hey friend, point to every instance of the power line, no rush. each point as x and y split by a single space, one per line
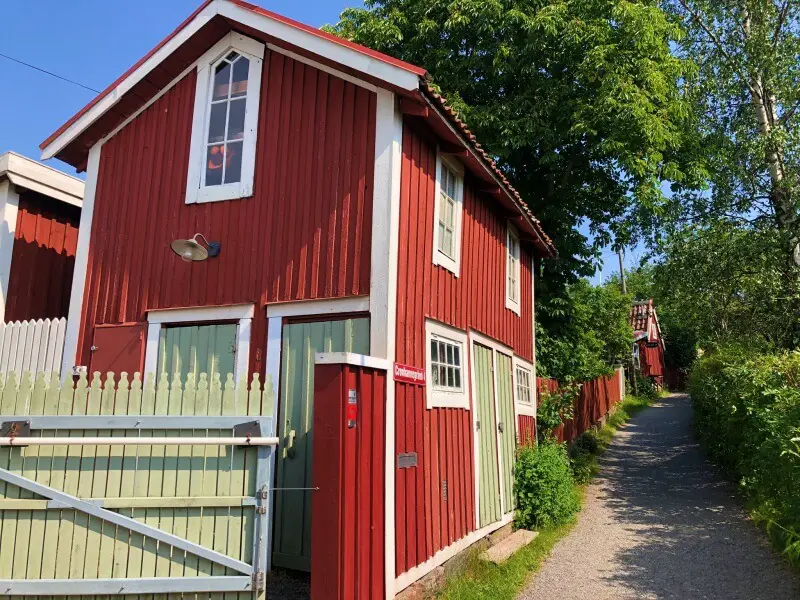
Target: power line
16 60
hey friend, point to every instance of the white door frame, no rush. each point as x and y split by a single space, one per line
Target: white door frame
495 347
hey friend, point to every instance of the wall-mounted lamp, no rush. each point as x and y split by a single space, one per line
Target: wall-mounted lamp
192 250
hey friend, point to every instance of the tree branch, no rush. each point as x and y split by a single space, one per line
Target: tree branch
718 43
781 20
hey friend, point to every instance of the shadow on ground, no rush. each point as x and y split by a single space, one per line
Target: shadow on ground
693 538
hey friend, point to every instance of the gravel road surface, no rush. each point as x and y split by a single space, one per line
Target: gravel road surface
659 523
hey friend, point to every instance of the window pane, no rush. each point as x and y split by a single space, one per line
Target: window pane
233 162
441 237
222 77
442 351
214 160
435 375
443 376
447 246
434 353
216 125
232 56
240 71
449 355
457 355
236 120
450 377
458 378
451 212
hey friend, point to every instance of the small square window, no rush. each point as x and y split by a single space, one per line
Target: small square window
446 383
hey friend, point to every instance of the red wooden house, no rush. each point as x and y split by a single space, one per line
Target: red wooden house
40 211
350 210
648 343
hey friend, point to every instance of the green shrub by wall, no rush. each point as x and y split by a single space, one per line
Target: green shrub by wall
545 486
747 415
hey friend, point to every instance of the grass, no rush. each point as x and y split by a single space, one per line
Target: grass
481 580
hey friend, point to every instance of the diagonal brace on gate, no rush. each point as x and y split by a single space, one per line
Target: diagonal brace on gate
106 515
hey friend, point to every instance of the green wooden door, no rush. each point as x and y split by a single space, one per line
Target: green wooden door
506 429
489 488
197 349
301 341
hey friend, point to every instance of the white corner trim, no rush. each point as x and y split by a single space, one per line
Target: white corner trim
440 258
81 263
349 358
445 554
9 208
513 305
195 190
383 288
533 327
242 313
324 68
442 398
227 312
520 407
324 306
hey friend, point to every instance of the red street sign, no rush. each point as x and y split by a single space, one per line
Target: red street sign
408 374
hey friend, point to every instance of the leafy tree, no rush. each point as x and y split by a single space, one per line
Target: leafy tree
588 335
579 101
747 99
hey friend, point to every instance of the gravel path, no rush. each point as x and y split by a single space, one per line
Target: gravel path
659 523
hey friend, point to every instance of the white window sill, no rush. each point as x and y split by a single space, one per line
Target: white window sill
443 399
219 193
442 260
513 306
526 410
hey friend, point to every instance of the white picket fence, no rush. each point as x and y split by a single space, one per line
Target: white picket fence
35 346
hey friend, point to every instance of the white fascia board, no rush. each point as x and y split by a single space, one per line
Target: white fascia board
349 358
315 44
33 175
230 312
94 113
324 306
339 53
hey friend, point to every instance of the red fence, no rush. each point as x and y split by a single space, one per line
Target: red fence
596 399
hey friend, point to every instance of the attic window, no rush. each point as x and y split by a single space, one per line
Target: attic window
512 269
224 127
448 206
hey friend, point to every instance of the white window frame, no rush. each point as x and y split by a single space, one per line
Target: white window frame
511 304
522 407
437 398
452 264
254 51
241 313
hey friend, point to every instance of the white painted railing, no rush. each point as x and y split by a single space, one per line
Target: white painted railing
35 346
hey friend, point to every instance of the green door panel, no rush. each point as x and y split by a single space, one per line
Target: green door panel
489 488
197 349
301 341
506 429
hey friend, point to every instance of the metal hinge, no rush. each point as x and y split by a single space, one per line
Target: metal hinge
262 510
258 581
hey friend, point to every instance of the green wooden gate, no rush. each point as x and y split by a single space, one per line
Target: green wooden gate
197 349
488 485
89 515
301 341
505 429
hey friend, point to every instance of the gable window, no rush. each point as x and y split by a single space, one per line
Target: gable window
523 387
224 126
447 214
512 269
445 377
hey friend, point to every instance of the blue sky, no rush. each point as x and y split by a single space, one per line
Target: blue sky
93 42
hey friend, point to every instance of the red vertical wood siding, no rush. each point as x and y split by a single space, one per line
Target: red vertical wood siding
347 545
42 259
443 438
305 232
526 429
596 399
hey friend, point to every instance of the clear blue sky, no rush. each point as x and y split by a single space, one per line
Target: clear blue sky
95 41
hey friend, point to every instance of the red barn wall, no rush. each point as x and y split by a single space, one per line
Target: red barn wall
42 259
442 438
304 234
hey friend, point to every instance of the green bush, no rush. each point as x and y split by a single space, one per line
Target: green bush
747 415
582 463
545 486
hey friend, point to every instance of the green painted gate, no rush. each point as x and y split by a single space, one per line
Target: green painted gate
197 349
506 429
489 488
301 341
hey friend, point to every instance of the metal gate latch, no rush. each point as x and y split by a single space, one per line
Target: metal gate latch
15 429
